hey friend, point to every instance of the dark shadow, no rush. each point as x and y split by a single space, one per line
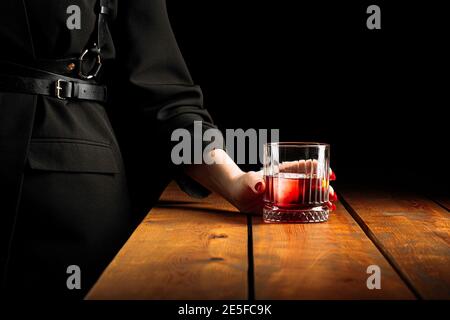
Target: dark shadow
168 203
213 212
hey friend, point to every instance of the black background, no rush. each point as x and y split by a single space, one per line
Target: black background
315 71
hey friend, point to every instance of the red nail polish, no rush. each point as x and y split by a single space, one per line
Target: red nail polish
258 186
332 176
333 197
331 206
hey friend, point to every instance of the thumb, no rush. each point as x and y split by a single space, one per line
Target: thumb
255 182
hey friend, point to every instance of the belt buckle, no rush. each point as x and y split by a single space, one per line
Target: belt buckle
95 69
58 88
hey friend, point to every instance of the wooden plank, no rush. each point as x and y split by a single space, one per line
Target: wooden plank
414 234
319 261
443 202
184 249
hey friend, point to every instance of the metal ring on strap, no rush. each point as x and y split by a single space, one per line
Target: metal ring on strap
95 69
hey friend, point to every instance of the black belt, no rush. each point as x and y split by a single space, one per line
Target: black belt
59 88
35 81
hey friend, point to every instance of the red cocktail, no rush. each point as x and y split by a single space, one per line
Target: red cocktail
297 182
295 191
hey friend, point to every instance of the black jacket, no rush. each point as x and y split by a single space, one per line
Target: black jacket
64 197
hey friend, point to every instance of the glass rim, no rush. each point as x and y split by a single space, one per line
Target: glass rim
296 144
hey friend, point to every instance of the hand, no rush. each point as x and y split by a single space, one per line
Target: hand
248 192
332 195
244 190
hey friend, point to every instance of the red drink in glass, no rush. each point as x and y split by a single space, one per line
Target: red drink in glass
295 191
297 182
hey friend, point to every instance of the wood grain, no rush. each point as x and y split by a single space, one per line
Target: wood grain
184 249
319 261
443 201
413 232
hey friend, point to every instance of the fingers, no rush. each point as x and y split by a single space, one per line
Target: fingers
303 166
289 166
311 166
256 182
300 166
332 195
332 198
332 175
260 173
331 206
259 187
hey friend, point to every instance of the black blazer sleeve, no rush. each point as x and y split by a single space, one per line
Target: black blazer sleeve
157 81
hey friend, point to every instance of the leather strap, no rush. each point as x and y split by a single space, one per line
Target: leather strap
100 40
100 44
105 12
68 67
60 88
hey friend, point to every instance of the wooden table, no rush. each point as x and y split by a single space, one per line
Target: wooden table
202 249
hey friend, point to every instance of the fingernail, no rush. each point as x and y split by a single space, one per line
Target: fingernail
333 196
258 187
331 206
332 176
